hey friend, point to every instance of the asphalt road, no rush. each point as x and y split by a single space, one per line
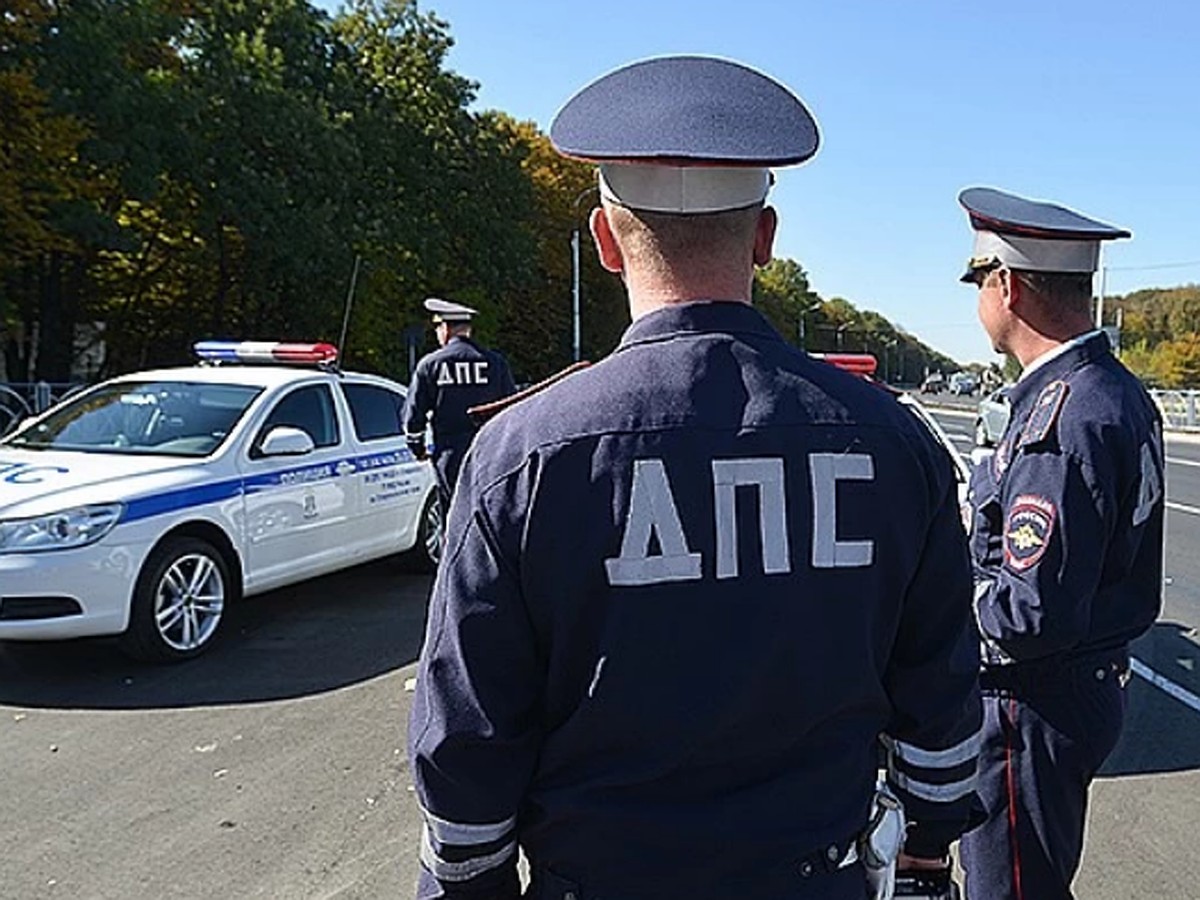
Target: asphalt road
274 766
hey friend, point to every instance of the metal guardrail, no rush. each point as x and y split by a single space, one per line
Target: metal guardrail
17 400
1180 409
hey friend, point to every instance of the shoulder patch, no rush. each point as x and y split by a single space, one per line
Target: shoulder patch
1027 530
1045 413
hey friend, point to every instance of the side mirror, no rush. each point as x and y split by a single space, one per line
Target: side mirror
284 440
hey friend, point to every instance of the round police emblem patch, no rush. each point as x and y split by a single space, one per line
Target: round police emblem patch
1027 531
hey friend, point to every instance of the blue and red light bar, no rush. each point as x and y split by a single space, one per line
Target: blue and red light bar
265 352
858 363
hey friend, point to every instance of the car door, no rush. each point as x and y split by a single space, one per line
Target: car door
389 480
996 414
299 508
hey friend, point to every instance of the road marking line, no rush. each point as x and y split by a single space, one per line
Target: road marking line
1183 462
1164 684
1180 507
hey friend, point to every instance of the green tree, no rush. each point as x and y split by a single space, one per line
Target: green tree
781 292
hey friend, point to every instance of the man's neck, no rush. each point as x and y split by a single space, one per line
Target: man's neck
1031 344
645 296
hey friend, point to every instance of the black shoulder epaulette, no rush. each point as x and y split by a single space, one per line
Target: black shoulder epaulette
1045 413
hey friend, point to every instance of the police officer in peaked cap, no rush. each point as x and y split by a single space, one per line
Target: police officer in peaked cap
688 589
446 383
1067 540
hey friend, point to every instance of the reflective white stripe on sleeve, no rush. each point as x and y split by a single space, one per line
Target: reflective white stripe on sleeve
935 759
447 832
936 793
444 870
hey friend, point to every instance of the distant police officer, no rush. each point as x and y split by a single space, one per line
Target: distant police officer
1067 540
446 383
687 588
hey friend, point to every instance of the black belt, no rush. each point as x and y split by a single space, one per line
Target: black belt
1042 674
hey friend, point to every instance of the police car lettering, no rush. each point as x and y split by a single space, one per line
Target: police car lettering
462 372
303 476
767 476
24 473
652 512
827 469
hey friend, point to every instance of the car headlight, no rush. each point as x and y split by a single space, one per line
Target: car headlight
59 531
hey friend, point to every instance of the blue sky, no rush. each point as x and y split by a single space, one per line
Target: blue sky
1095 105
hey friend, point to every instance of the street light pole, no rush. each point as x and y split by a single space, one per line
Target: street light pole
575 348
575 292
803 315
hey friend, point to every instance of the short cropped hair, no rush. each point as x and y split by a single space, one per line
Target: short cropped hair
1065 294
665 240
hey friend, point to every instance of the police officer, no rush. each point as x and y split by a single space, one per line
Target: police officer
687 588
446 383
1067 542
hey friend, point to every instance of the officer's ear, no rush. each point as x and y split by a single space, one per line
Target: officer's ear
764 235
1010 287
607 247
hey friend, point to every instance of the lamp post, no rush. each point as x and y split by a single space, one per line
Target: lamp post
804 311
575 351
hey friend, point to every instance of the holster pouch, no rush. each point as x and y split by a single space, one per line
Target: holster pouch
882 840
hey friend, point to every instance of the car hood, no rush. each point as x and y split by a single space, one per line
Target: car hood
36 482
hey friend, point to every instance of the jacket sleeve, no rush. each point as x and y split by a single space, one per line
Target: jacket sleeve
507 385
475 730
1056 525
933 737
417 405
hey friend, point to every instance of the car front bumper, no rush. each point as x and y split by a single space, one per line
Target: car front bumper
98 579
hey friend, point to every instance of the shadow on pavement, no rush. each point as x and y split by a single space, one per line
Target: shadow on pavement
317 636
1162 733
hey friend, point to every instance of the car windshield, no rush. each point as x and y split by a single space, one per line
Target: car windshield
170 418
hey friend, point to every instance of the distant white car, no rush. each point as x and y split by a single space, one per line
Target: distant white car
992 418
963 384
143 506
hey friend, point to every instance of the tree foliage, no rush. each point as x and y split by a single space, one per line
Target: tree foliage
1160 334
172 170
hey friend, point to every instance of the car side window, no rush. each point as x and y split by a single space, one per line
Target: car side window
310 409
377 412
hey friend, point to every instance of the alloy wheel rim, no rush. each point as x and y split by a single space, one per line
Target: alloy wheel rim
189 602
433 532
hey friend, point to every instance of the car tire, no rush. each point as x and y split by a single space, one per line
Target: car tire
981 435
179 601
426 553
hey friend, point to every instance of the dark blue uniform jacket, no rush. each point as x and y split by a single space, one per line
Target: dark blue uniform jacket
684 592
1068 521
447 383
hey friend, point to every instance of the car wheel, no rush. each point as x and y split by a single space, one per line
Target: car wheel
981 435
178 602
427 551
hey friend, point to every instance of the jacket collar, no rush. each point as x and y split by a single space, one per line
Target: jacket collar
696 317
1058 364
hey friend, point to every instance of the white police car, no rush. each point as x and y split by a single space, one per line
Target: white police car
143 506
